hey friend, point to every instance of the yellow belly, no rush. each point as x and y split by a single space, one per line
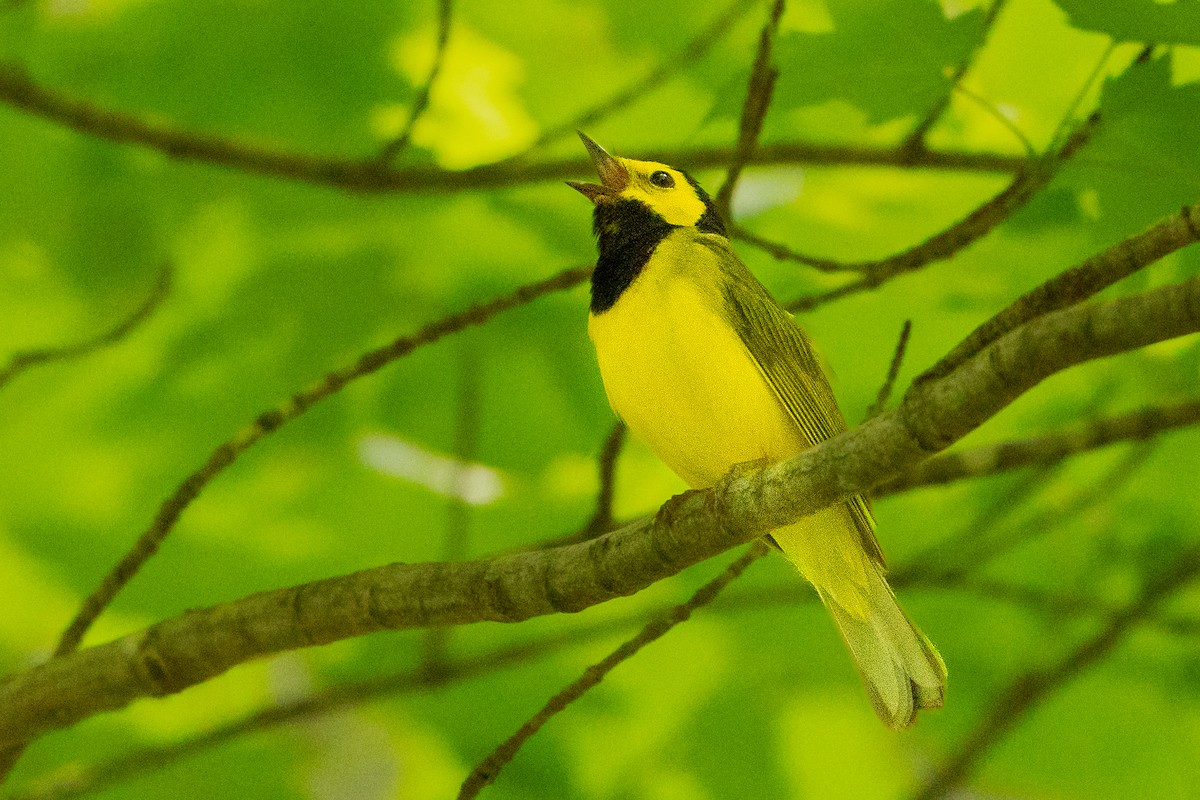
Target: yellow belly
683 381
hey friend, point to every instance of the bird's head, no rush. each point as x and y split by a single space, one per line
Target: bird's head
669 193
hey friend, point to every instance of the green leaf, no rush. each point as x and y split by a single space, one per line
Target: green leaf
889 59
1141 164
1176 22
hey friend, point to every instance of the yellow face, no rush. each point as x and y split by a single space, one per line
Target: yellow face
664 189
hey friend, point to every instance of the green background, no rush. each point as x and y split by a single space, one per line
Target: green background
278 282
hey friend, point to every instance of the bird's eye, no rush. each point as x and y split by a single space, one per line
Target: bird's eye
662 180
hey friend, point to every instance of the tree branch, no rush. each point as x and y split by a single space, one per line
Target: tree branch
602 518
965 232
369 175
916 138
200 644
1078 283
889 382
1137 425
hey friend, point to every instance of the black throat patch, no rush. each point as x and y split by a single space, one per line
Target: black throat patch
628 231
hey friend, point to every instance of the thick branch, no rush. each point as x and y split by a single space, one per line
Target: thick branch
1078 283
200 644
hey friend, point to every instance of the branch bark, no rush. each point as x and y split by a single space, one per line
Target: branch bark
200 644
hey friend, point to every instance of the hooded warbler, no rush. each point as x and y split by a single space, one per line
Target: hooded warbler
710 371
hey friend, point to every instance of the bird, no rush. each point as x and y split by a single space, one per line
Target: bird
703 364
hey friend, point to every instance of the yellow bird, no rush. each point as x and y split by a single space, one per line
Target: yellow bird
700 362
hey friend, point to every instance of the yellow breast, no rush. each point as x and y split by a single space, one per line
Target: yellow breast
680 376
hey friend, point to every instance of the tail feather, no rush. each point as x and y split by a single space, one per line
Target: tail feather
902 671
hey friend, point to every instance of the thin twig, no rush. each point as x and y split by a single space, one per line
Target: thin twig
389 151
602 519
485 772
1037 684
996 114
754 110
782 252
19 362
268 421
1076 284
915 141
966 231
885 391
720 27
367 175
1068 117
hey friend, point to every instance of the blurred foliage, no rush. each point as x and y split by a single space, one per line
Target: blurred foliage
278 282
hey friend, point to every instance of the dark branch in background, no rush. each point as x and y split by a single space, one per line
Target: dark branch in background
1076 284
268 421
485 772
183 651
696 49
889 382
915 142
1055 606
455 542
754 109
968 230
19 362
979 545
368 175
923 566
1037 684
393 148
602 519
1046 450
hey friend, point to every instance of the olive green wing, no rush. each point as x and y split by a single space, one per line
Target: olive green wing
786 358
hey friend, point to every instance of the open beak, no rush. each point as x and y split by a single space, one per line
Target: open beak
613 176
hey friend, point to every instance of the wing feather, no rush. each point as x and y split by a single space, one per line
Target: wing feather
785 356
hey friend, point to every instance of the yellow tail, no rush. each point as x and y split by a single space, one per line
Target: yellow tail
901 669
